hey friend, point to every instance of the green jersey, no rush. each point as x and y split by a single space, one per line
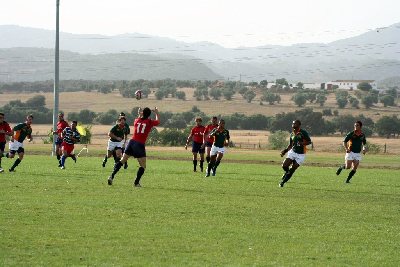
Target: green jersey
296 137
127 129
118 132
220 137
355 141
21 131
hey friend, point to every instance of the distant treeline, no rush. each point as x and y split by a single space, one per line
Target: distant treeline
317 123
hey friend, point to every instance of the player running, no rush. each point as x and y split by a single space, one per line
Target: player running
353 142
5 129
127 131
116 141
21 131
299 139
70 136
136 146
197 136
221 139
61 125
207 142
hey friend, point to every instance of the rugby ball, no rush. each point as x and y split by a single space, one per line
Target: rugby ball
138 94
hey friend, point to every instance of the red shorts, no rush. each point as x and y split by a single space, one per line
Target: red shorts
67 147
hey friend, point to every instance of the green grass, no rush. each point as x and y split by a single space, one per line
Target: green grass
56 217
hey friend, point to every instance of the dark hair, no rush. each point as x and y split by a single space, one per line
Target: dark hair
76 122
122 114
298 121
1 113
29 116
215 118
146 113
359 122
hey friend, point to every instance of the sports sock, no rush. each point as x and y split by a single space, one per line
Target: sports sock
210 166
105 158
285 168
216 164
73 157
208 159
0 162
351 174
288 175
194 164
16 162
201 164
117 166
139 174
63 158
58 157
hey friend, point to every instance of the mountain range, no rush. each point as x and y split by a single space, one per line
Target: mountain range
27 54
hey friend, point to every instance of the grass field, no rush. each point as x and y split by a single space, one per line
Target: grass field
53 217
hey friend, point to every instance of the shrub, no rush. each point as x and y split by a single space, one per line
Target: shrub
278 140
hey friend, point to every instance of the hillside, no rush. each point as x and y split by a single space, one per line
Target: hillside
372 55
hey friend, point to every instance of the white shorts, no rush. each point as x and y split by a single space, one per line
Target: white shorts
215 150
112 145
15 145
353 156
299 158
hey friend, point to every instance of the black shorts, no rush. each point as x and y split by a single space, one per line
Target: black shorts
196 148
59 141
2 146
135 149
208 144
20 150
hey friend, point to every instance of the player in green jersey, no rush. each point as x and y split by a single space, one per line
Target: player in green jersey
221 139
16 146
116 141
296 149
127 131
353 143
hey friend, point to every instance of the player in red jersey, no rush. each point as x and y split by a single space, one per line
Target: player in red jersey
136 146
61 125
208 141
5 129
197 136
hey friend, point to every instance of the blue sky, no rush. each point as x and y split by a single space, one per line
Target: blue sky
230 23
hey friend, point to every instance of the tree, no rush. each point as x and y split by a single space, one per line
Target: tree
387 100
341 102
311 96
300 85
270 97
264 83
249 96
364 86
36 102
215 93
278 140
354 102
282 81
181 95
387 126
368 101
321 99
228 93
299 99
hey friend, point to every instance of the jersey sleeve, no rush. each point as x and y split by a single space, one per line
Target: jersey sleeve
18 127
306 136
228 137
348 137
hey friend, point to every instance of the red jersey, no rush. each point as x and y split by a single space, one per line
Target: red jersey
142 128
207 131
197 133
61 125
5 127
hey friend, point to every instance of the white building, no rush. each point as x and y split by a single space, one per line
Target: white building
350 84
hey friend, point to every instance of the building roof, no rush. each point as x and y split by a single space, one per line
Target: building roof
354 81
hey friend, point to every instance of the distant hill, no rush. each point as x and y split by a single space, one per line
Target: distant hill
33 64
372 55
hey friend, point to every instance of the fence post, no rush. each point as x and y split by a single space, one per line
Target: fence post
384 148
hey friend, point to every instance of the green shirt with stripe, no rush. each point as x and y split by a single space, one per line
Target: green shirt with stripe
21 131
355 141
296 137
118 132
220 137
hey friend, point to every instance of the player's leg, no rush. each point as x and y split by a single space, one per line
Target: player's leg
64 156
217 162
2 147
194 160
20 152
201 160
207 150
140 172
286 167
354 165
117 167
213 159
